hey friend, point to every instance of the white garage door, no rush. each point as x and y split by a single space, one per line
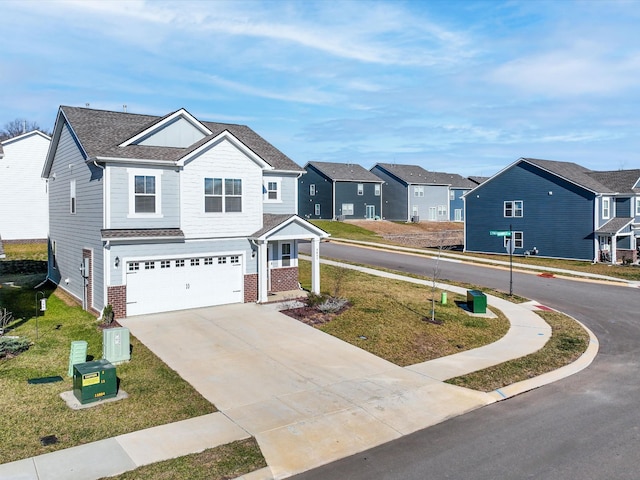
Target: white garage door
181 283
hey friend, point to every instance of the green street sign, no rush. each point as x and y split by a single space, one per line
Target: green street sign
500 233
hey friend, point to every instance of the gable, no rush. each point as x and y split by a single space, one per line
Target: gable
179 133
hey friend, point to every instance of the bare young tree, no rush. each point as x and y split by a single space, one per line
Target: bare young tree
19 126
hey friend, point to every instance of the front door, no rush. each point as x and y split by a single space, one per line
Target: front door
371 212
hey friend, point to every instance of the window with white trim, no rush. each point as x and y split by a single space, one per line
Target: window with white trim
208 260
513 208
234 259
517 237
72 197
165 263
376 190
286 254
452 195
638 206
312 189
222 195
360 189
272 191
195 262
145 192
347 209
180 263
317 209
442 210
418 191
606 207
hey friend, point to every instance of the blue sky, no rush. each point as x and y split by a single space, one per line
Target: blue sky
465 87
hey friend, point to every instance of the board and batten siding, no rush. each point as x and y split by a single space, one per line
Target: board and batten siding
24 211
119 198
323 195
222 160
394 196
186 250
288 191
74 232
558 216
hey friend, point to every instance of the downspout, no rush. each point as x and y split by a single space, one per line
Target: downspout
106 249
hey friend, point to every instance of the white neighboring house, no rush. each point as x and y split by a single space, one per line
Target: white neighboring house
24 210
152 214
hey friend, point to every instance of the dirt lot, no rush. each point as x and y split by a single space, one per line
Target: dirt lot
419 235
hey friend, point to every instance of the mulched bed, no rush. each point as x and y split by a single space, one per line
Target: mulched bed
313 316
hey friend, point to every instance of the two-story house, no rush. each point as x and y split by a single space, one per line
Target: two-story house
24 211
339 191
152 214
412 193
556 209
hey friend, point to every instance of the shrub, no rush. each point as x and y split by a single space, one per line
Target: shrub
107 315
332 305
13 346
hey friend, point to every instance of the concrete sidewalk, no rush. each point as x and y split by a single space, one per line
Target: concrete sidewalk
308 398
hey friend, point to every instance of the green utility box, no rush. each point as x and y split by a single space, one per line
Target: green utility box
476 301
93 381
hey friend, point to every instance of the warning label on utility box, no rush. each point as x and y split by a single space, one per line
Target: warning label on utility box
90 379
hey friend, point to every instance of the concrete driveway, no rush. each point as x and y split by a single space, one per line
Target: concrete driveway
307 397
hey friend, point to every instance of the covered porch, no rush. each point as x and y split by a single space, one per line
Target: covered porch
276 248
617 242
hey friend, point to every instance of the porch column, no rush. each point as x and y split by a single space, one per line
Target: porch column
614 241
263 271
315 265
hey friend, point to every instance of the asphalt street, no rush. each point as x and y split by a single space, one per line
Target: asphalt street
586 426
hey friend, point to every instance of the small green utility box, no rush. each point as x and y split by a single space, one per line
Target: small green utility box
476 301
93 381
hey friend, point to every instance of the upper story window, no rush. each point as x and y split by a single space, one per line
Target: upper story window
638 206
222 195
606 207
144 192
72 197
418 191
513 208
272 191
377 190
312 190
360 189
452 194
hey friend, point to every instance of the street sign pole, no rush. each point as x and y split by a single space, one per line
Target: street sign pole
511 247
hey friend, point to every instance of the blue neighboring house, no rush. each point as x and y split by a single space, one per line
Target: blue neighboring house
342 191
556 209
414 194
458 187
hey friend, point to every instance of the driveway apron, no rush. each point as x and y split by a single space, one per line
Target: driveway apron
307 397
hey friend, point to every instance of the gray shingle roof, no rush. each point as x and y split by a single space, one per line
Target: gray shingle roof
146 233
100 132
478 180
571 171
619 181
416 174
346 172
614 225
271 221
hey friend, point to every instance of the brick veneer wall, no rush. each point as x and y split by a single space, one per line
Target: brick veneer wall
117 298
283 279
626 253
251 288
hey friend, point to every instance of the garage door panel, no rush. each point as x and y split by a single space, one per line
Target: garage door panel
176 284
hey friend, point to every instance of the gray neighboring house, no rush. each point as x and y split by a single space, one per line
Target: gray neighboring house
151 214
412 193
342 191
